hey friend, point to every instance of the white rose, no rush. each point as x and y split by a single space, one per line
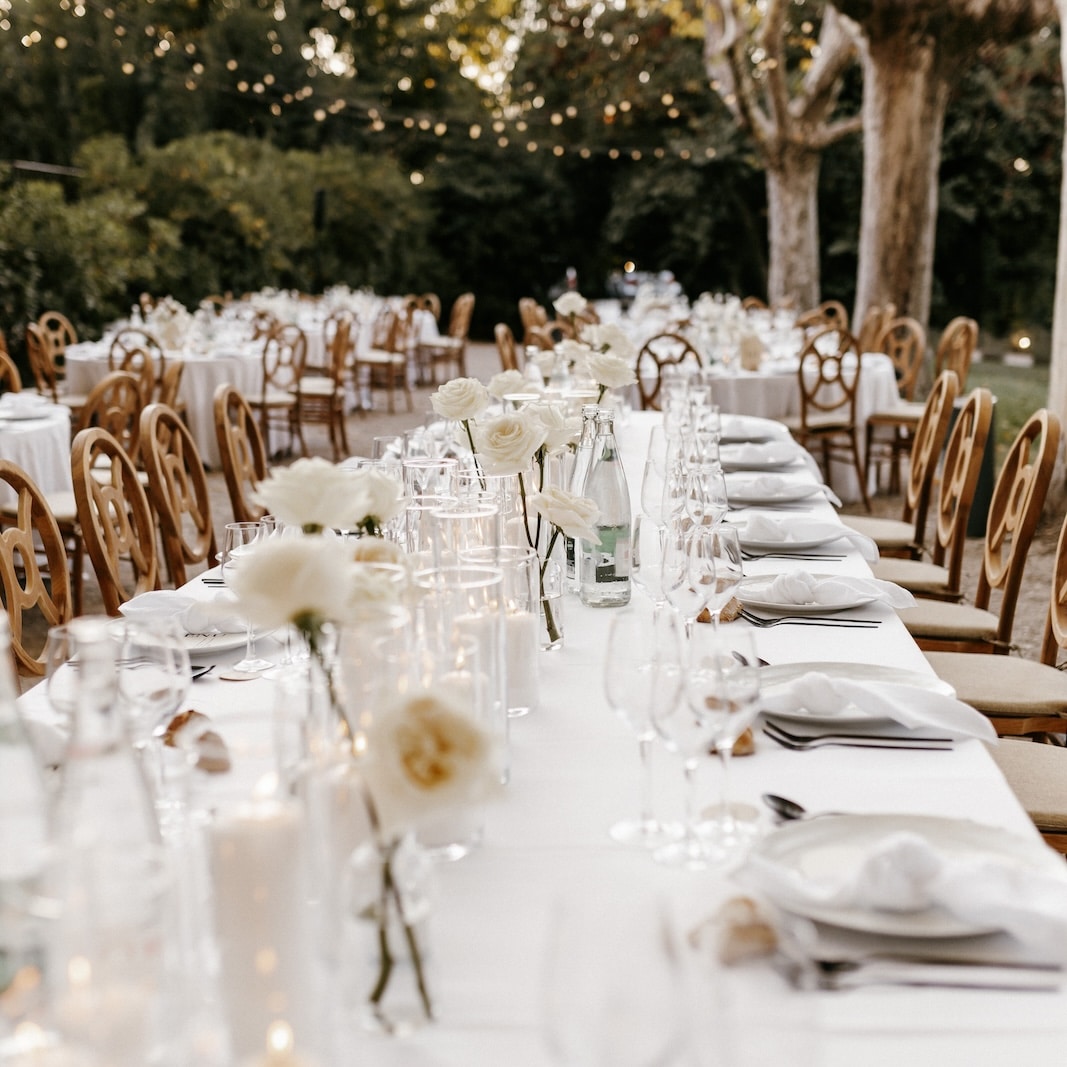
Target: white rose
425 756
508 381
572 351
574 515
461 398
507 443
374 498
560 431
310 493
569 303
610 337
378 550
297 580
376 584
610 371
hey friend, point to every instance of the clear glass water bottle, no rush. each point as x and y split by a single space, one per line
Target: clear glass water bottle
583 460
605 567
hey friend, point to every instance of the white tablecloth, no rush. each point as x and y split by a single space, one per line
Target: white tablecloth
240 363
41 447
574 771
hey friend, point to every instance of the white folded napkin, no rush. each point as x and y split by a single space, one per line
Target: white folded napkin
23 403
909 705
768 485
802 588
216 614
777 452
766 529
902 871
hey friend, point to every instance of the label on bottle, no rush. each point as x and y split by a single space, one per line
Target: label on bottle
612 556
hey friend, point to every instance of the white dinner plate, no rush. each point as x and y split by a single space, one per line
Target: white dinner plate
829 532
217 642
755 592
742 491
785 673
771 455
834 845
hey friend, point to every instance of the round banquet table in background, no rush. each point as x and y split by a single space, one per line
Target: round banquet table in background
41 447
239 364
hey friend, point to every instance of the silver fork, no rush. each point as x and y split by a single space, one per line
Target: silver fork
809 620
801 743
788 555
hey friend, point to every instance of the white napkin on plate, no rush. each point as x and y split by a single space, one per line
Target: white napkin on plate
777 452
216 614
802 588
769 530
774 486
911 706
902 871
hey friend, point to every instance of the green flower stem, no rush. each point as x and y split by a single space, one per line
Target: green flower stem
525 512
550 620
600 395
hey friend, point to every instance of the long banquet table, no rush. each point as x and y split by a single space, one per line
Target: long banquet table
574 771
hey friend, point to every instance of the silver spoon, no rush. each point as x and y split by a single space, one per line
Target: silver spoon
789 810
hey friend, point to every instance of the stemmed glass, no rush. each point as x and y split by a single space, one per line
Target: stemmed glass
705 497
725 549
642 669
653 481
647 559
689 571
153 678
722 691
240 539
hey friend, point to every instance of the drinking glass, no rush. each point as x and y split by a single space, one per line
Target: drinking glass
689 571
61 668
705 497
642 668
653 481
239 540
648 543
725 548
722 692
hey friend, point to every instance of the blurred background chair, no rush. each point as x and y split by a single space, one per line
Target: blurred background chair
244 456
663 350
279 403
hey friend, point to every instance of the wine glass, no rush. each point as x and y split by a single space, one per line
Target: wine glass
648 542
642 667
705 497
722 691
61 669
153 678
653 480
725 548
689 571
239 540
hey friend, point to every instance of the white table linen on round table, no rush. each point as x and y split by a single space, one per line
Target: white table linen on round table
240 363
41 447
574 771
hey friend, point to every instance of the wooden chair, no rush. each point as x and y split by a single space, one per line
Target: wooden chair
115 404
904 341
264 323
829 314
451 348
505 346
1020 696
828 378
940 577
177 491
10 379
754 303
137 361
58 334
906 536
244 456
385 364
279 404
877 317
1037 775
532 316
46 374
663 350
129 349
170 384
956 347
322 396
115 519
1018 496
33 567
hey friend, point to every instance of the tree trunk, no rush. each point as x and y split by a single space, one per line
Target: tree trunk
1057 386
793 228
904 99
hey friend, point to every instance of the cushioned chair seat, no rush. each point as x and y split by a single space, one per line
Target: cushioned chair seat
916 575
825 423
278 398
1037 775
885 533
1004 685
941 620
62 505
377 355
317 386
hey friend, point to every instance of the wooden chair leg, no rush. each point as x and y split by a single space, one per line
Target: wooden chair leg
860 472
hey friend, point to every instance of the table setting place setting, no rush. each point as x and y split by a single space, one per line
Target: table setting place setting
25 406
418 772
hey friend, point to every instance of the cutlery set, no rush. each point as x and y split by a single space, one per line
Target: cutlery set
789 555
808 620
858 739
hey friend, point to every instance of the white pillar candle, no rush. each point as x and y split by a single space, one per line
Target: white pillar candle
521 648
262 929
